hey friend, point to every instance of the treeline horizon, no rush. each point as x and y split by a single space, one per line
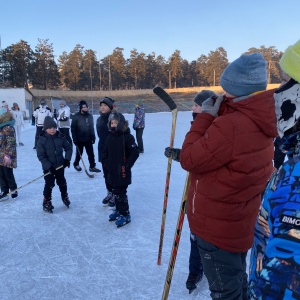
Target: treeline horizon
79 70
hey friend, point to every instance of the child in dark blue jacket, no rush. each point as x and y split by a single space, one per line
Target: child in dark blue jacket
118 157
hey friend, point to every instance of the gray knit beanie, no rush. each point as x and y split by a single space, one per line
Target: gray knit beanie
49 123
202 96
245 75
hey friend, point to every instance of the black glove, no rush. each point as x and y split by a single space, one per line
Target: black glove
174 153
66 163
52 170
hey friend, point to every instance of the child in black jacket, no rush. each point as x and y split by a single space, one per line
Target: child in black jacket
50 147
119 155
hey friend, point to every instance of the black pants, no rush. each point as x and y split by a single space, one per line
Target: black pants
66 132
139 138
105 174
122 205
225 272
39 130
59 176
7 179
89 151
195 264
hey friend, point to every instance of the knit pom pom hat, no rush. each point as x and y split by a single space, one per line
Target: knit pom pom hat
49 123
245 75
290 61
108 101
202 96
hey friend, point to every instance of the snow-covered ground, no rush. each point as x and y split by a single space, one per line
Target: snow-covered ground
77 253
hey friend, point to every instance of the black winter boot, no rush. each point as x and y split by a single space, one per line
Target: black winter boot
193 280
47 205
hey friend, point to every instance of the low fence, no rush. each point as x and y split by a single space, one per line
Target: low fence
119 93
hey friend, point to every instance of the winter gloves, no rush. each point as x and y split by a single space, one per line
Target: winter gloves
212 105
66 163
52 170
174 153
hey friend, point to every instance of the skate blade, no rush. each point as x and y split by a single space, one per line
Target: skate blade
192 290
118 226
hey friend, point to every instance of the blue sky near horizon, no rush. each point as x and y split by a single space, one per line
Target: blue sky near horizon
193 27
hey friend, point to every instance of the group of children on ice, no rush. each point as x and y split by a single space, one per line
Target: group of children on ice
117 152
222 129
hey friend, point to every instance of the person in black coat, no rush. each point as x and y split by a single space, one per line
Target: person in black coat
50 148
118 157
83 135
106 106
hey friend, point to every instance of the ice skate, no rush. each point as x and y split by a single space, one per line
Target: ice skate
123 220
66 201
47 206
95 170
77 168
107 198
3 196
114 216
14 194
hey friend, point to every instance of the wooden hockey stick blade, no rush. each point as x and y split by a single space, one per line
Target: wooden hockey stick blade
164 96
88 174
84 167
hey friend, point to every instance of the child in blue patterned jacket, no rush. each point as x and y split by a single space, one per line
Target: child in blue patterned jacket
139 124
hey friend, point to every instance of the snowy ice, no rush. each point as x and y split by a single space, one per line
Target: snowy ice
77 253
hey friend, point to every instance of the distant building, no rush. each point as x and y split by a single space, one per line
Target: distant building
18 95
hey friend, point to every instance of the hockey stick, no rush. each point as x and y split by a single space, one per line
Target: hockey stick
176 238
34 180
173 107
84 167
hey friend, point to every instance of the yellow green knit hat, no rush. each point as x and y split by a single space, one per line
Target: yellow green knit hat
290 61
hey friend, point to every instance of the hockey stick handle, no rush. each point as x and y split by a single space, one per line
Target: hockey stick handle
176 238
172 105
34 180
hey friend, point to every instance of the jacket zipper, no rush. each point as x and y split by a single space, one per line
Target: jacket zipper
194 196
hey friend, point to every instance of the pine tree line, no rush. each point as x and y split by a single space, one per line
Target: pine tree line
80 70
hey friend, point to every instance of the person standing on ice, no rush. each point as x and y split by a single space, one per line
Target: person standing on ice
275 256
19 122
139 124
228 152
8 154
39 114
63 119
50 148
83 135
106 106
195 265
118 157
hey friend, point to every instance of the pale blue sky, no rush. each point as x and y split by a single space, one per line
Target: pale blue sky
194 27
